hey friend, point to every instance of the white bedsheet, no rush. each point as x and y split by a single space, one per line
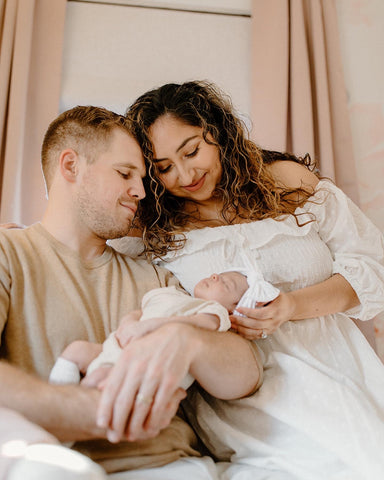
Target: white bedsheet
190 468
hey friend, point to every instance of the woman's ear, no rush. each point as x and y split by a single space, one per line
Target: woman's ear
68 164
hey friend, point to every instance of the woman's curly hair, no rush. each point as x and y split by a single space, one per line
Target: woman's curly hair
246 188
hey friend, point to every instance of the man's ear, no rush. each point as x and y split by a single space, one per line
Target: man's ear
68 164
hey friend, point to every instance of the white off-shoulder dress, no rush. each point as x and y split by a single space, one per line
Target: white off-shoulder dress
320 411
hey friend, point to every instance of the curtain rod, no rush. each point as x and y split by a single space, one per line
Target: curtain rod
157 7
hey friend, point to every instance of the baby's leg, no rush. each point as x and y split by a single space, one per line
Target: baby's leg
74 361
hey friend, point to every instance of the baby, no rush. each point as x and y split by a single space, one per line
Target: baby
215 297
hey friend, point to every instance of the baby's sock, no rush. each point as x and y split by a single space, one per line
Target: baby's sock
64 371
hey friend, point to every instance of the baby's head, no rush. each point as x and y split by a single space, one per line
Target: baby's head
226 288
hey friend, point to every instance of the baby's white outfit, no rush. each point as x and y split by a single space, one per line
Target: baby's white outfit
159 302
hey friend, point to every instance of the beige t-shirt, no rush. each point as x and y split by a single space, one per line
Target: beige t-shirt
49 297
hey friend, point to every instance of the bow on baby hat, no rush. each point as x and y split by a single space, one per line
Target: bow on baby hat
258 290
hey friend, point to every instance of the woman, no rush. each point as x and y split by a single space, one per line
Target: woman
214 200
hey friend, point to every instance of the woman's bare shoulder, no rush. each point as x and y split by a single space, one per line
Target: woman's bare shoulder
289 175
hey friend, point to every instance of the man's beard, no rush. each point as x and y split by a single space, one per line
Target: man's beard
99 221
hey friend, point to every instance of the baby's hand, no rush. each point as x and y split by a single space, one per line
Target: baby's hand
128 331
132 318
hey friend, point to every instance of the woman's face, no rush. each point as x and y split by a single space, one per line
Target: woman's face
188 166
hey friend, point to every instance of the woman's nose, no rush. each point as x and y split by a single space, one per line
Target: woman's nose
185 175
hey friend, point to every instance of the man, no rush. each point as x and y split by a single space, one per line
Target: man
60 282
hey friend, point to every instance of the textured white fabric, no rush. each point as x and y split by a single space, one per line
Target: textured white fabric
189 468
320 411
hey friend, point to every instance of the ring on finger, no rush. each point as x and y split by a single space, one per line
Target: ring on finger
263 335
140 398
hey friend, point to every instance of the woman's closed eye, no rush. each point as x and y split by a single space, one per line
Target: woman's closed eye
164 169
192 154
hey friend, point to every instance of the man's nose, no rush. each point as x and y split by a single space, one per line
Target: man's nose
137 190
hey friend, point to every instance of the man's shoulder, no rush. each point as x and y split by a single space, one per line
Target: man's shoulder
15 236
140 267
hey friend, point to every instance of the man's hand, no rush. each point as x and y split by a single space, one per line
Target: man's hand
142 394
97 378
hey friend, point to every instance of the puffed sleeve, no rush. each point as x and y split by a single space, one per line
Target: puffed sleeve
356 244
132 246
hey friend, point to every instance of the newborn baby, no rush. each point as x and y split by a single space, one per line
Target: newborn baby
215 297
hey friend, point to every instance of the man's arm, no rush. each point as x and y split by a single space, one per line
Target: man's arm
128 330
67 411
138 393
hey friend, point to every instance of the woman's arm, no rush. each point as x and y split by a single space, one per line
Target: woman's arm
357 248
330 296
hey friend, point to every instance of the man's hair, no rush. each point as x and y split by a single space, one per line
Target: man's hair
85 129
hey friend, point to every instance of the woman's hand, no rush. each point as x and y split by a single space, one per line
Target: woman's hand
265 318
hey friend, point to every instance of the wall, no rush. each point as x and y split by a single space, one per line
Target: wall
114 53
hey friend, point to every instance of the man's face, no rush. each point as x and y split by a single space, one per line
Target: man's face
110 188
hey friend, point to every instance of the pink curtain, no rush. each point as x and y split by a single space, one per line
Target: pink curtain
31 35
299 99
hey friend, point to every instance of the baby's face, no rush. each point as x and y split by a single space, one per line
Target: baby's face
226 288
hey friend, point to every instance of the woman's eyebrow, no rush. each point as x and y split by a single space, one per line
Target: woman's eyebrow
155 160
186 141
